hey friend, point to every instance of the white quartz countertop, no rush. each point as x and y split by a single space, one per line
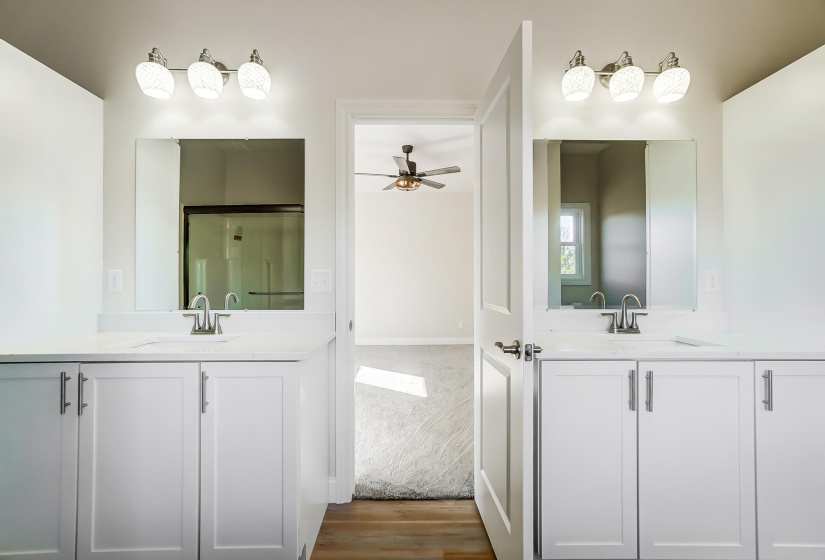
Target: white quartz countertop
172 347
671 345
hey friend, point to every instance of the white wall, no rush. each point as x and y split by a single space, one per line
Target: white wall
51 214
326 50
774 203
413 267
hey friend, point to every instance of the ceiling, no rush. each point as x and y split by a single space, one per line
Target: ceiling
434 146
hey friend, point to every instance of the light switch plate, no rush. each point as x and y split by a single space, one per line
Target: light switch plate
320 280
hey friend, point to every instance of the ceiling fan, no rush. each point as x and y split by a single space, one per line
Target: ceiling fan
408 179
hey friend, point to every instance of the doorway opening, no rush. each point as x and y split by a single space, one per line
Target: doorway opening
413 334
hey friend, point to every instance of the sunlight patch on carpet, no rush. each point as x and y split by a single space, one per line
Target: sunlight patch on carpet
392 380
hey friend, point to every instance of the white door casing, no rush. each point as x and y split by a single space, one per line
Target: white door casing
348 114
503 303
588 459
38 462
138 462
696 461
790 454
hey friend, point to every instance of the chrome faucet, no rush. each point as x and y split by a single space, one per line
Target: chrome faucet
206 326
604 303
230 295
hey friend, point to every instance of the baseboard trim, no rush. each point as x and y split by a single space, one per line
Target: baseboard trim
411 341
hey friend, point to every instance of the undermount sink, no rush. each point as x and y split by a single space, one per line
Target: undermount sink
182 342
654 342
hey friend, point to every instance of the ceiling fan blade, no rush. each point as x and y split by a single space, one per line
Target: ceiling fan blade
377 174
432 184
441 171
389 187
402 164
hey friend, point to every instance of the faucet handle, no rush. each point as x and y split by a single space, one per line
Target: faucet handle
218 321
613 320
633 316
197 325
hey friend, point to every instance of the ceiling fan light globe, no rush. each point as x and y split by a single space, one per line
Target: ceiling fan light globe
407 183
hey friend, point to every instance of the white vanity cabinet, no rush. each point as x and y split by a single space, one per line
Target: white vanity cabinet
696 461
691 426
588 467
38 461
138 461
249 461
790 457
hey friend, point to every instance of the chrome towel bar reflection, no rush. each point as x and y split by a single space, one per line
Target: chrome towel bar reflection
275 293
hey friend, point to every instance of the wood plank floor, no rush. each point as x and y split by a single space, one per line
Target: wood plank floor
424 529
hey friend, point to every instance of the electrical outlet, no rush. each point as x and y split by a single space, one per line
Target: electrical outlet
320 280
713 281
114 280
461 324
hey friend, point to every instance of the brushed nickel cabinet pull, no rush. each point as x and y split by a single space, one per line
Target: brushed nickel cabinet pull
63 402
649 401
632 378
768 400
204 402
82 405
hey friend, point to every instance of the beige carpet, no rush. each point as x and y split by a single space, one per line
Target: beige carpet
414 422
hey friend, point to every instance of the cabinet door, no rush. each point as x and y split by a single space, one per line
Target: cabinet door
38 461
588 460
138 479
249 461
790 460
696 461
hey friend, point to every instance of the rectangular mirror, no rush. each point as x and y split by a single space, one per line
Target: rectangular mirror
622 218
219 216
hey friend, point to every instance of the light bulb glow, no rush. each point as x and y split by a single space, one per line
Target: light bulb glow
407 183
155 80
626 84
577 83
205 79
254 80
671 85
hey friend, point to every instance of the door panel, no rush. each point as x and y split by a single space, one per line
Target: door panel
503 295
696 461
138 484
38 462
249 462
588 460
790 454
495 428
495 203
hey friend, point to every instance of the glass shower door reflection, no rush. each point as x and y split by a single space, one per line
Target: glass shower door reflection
259 255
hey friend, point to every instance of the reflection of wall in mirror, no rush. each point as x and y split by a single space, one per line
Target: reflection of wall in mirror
612 181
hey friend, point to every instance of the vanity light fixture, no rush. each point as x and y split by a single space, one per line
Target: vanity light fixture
625 80
207 76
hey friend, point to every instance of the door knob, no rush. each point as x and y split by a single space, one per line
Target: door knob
514 349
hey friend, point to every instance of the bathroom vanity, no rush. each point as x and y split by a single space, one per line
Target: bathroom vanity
148 445
680 446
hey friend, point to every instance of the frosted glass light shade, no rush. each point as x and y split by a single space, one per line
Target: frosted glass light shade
626 84
155 80
254 80
205 79
671 85
577 83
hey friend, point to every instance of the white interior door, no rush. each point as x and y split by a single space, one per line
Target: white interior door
503 299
